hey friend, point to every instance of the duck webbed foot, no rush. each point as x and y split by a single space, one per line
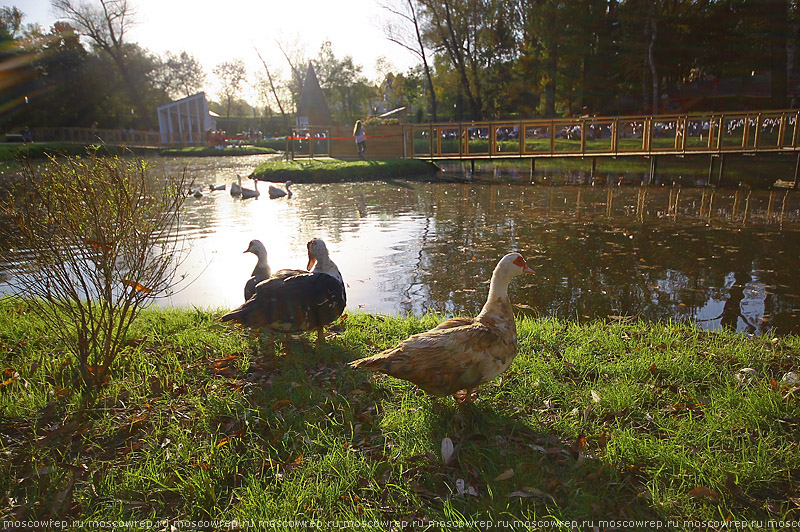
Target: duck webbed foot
463 397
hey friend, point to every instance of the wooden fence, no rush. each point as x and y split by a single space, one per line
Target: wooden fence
699 133
87 135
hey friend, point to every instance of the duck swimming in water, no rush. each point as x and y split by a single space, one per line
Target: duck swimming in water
275 192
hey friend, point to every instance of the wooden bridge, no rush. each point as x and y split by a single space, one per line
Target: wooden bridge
715 134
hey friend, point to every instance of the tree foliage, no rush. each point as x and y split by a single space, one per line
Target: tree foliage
479 59
180 75
231 75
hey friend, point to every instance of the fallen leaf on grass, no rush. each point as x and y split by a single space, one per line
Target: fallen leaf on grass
702 492
735 490
229 437
505 475
595 396
447 451
527 492
462 488
280 404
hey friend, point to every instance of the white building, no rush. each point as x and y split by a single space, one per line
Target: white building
186 121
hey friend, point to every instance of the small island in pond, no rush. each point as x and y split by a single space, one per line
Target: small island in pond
334 170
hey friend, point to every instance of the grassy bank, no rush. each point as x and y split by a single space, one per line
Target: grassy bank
213 152
602 421
41 150
757 171
331 170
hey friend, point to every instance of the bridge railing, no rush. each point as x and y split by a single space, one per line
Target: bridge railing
750 131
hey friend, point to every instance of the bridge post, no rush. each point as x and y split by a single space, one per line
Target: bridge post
796 169
594 168
533 167
721 168
653 168
710 170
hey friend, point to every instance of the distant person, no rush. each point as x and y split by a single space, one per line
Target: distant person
360 135
27 134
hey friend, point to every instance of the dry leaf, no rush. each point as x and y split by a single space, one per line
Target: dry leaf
280 404
595 396
136 286
448 453
702 492
526 492
505 475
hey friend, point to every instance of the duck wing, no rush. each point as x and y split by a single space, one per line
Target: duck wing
250 285
292 301
459 354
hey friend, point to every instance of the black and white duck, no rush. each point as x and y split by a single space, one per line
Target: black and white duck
295 301
262 270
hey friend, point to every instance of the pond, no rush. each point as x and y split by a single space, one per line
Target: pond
657 252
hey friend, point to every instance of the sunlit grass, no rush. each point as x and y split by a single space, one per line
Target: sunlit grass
592 421
331 170
201 151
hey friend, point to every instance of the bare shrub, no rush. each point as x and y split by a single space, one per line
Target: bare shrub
96 239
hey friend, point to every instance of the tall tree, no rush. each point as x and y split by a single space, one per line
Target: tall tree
409 36
454 27
231 75
274 91
181 75
106 24
345 87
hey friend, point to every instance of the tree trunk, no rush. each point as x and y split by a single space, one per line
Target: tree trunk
274 92
778 28
652 62
130 88
552 63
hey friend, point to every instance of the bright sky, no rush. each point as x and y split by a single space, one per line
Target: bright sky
223 30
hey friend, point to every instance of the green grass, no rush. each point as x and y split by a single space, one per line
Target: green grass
534 146
41 150
213 152
331 170
598 421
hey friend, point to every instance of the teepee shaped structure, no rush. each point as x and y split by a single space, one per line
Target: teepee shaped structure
312 108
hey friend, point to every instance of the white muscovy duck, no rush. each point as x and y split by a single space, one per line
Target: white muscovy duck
294 300
460 354
275 192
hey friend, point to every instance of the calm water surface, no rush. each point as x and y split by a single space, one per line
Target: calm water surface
404 246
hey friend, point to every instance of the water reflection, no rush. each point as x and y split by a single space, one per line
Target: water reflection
658 253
